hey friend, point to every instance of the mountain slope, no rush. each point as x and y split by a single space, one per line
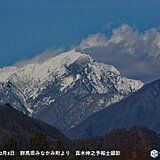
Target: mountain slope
64 90
14 123
142 108
137 137
133 143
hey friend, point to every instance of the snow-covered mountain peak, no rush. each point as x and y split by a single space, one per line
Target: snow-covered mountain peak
41 70
67 68
69 87
33 77
53 65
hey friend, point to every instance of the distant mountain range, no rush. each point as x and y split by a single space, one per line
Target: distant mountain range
64 90
133 143
142 108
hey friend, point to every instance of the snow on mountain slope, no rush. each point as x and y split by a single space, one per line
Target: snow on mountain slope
141 109
35 76
10 94
82 84
6 72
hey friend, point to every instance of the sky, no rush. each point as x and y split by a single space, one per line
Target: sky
29 27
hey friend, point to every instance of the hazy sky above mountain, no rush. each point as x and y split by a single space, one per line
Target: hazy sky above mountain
28 27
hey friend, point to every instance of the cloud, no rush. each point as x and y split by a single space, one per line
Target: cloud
137 55
48 53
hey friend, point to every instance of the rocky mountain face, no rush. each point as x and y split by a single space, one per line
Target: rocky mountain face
64 90
142 108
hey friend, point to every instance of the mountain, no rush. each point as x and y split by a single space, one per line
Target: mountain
142 108
133 143
22 127
64 90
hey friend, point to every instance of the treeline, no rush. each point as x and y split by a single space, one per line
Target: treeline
134 144
38 142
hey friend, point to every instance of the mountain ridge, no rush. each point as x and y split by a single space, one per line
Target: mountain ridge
131 142
40 87
15 124
139 109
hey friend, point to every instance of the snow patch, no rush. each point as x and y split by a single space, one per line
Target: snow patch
48 100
